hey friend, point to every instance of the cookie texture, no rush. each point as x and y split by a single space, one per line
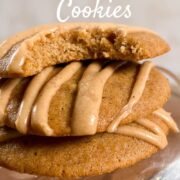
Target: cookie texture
72 157
116 94
47 45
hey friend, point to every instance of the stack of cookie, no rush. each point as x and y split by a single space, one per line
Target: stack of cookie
76 99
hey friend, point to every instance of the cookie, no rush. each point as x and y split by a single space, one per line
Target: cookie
73 157
29 52
76 101
115 95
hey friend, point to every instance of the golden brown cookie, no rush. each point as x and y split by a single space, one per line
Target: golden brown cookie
27 53
72 157
115 96
106 103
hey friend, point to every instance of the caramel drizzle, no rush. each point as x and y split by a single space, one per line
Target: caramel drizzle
89 97
32 91
153 134
135 96
39 116
5 93
37 98
159 137
156 136
166 117
15 55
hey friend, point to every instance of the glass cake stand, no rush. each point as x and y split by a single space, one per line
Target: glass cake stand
164 165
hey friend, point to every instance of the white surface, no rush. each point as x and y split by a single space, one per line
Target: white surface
162 16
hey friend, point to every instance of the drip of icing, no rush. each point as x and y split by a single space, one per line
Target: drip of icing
87 104
8 134
30 95
157 137
137 92
89 97
6 91
166 117
15 56
39 116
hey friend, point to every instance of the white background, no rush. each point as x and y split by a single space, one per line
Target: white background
163 16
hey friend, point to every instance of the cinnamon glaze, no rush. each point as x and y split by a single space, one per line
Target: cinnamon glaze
34 108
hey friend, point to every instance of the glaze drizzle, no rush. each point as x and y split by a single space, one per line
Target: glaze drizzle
137 92
89 97
14 57
155 136
5 93
33 111
30 95
39 116
166 117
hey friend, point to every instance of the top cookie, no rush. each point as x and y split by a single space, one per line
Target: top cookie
28 52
